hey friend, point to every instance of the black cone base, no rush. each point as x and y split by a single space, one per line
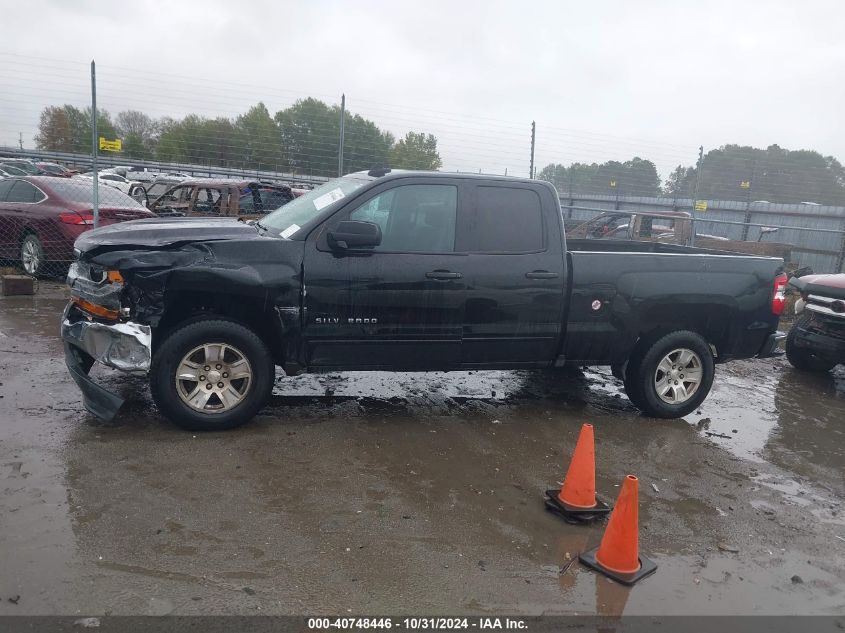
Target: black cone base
647 567
575 515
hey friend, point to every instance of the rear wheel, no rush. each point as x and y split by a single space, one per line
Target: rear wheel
211 375
803 358
32 255
671 376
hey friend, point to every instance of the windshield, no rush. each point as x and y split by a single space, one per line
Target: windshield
287 220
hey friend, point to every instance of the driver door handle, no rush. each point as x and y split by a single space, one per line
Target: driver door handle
541 274
443 274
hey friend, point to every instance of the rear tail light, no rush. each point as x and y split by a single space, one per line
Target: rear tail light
72 217
779 294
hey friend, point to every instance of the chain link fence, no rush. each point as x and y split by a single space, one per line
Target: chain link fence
185 145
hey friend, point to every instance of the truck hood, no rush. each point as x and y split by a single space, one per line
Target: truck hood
164 232
832 286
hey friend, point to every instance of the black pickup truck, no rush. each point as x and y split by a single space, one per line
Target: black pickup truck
403 271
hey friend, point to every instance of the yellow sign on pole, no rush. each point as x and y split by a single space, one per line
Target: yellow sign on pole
701 205
613 183
110 146
745 184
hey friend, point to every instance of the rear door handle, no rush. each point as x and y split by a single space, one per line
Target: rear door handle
443 274
541 274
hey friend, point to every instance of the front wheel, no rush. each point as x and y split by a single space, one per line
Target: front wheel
211 375
670 377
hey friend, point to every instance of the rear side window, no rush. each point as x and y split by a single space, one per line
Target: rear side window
507 220
22 191
208 200
5 186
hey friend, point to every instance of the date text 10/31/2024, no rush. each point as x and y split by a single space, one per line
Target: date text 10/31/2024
417 623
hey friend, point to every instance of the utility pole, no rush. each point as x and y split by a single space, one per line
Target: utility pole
533 140
342 132
96 196
20 139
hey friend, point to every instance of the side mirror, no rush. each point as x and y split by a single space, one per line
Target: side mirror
352 234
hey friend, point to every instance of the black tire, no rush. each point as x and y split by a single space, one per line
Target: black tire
32 255
181 341
802 358
642 372
630 391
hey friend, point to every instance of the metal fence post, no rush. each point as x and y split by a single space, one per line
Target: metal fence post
748 203
342 133
841 259
695 191
96 192
533 139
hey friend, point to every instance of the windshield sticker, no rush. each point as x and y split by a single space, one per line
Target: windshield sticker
293 228
327 198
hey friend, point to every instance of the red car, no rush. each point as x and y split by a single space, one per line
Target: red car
41 217
54 169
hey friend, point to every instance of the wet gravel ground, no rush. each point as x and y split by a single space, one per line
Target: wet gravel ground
411 493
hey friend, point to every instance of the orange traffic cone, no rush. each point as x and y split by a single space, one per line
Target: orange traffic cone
617 556
576 501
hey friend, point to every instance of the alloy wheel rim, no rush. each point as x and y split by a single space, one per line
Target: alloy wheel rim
678 376
213 378
30 257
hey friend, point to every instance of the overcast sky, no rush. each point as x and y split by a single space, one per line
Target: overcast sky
603 80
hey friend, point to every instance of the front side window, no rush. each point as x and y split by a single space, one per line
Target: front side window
178 195
413 218
508 220
156 190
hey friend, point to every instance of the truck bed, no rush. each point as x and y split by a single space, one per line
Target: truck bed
650 285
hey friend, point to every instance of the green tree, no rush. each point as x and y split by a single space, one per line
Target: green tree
260 138
416 151
68 129
365 145
171 142
734 172
310 133
635 177
54 130
139 133
681 182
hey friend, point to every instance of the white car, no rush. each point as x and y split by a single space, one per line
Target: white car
130 187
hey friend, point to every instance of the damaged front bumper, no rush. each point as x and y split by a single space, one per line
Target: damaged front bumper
126 346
